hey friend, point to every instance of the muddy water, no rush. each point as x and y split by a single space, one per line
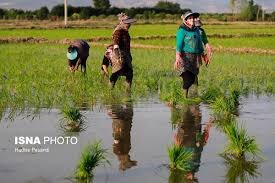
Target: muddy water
137 137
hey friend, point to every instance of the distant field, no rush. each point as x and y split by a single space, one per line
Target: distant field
252 42
248 35
136 30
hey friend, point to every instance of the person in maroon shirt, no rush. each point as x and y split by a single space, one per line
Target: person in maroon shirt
120 56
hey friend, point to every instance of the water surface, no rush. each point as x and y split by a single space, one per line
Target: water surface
137 136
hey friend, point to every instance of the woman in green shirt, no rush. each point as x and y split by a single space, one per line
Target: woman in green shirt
189 49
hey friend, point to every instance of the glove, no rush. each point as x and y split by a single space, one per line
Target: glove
209 50
178 61
205 59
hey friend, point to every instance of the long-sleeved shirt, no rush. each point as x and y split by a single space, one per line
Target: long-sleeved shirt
189 40
122 38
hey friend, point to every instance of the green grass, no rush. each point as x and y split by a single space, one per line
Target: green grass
136 30
250 42
179 158
92 156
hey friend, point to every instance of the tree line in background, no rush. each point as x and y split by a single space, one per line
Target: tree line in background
243 10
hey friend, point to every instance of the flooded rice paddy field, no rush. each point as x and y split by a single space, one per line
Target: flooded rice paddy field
135 133
136 136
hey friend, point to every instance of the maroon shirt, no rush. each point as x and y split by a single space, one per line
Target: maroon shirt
122 38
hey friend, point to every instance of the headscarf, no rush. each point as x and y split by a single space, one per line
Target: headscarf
123 21
186 15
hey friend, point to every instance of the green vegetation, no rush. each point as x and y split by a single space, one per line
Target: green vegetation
239 143
167 5
101 4
240 170
54 85
91 157
179 158
225 105
242 42
36 76
137 30
229 75
72 120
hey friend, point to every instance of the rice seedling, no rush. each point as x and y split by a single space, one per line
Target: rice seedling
240 170
172 93
239 142
54 85
210 94
179 158
92 156
226 105
72 120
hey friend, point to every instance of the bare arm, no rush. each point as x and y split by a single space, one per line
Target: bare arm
105 70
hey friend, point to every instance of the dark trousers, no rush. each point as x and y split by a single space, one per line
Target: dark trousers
125 71
188 79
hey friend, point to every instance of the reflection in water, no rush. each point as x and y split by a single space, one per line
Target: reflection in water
122 116
189 135
177 176
240 170
11 113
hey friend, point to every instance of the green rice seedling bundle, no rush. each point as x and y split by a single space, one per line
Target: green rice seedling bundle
179 158
92 156
239 142
72 120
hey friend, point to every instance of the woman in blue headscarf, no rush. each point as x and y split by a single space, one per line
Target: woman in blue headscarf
189 49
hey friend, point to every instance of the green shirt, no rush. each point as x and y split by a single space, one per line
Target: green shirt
189 41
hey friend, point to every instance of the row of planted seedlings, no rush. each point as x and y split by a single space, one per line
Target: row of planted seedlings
48 89
221 91
153 73
224 103
72 122
241 155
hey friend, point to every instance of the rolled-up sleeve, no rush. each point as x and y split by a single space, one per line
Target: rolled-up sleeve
179 40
